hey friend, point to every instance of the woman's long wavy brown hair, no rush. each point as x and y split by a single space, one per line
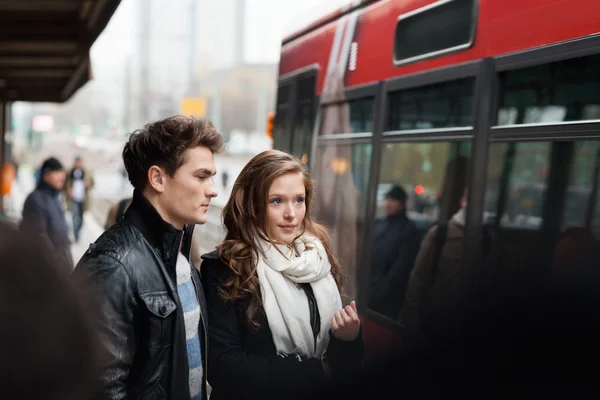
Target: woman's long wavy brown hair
245 217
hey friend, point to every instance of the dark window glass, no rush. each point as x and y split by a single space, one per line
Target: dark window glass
354 116
304 121
282 134
439 28
432 177
563 91
542 200
442 105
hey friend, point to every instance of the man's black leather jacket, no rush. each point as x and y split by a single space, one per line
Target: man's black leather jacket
131 274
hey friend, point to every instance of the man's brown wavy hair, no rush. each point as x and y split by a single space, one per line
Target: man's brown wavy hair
245 218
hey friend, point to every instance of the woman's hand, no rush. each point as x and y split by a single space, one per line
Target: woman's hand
345 324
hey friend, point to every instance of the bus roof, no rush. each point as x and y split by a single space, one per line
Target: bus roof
327 18
368 33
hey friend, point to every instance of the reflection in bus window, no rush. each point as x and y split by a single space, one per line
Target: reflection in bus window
419 184
354 116
442 105
583 180
342 172
361 115
567 90
542 191
521 170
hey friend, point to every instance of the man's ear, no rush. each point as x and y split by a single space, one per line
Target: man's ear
156 178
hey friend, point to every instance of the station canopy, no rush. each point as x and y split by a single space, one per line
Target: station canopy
45 46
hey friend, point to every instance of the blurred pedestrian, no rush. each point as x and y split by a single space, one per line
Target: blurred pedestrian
43 214
79 183
153 322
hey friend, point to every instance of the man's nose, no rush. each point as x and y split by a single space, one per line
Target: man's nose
211 190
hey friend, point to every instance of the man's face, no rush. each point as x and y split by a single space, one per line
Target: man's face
392 206
187 194
56 179
78 164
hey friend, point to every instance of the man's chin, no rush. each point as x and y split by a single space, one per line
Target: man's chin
201 220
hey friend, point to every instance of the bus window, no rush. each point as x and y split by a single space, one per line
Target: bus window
525 185
537 193
442 105
419 184
579 199
435 29
282 135
563 91
341 174
354 116
304 118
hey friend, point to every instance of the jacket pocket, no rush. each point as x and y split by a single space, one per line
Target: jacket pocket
160 320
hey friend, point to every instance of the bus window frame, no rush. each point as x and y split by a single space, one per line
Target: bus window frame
468 69
576 48
355 93
291 79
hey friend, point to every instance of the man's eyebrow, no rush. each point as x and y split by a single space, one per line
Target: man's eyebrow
206 171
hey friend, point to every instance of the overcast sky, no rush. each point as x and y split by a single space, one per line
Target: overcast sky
267 21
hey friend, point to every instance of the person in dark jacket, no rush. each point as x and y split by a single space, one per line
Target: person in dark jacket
395 246
278 328
49 348
153 322
43 215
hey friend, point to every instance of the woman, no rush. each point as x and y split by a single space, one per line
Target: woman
277 326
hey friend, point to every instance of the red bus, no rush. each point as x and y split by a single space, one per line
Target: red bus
490 103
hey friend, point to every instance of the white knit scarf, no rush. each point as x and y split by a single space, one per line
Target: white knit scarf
285 302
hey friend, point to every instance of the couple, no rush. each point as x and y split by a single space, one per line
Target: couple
265 320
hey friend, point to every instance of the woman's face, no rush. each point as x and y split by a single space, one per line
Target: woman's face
286 207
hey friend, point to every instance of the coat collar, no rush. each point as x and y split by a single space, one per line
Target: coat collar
161 235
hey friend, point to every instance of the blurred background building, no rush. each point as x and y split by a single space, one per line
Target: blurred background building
214 59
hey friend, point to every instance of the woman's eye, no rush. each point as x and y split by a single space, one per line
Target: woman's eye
276 201
299 200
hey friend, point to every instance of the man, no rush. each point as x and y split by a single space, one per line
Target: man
43 214
79 183
395 246
153 305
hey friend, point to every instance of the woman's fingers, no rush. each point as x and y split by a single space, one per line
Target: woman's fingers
340 319
334 324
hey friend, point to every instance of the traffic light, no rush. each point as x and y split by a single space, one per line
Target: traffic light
270 125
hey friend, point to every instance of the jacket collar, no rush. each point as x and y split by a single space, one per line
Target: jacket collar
47 188
161 235
399 216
